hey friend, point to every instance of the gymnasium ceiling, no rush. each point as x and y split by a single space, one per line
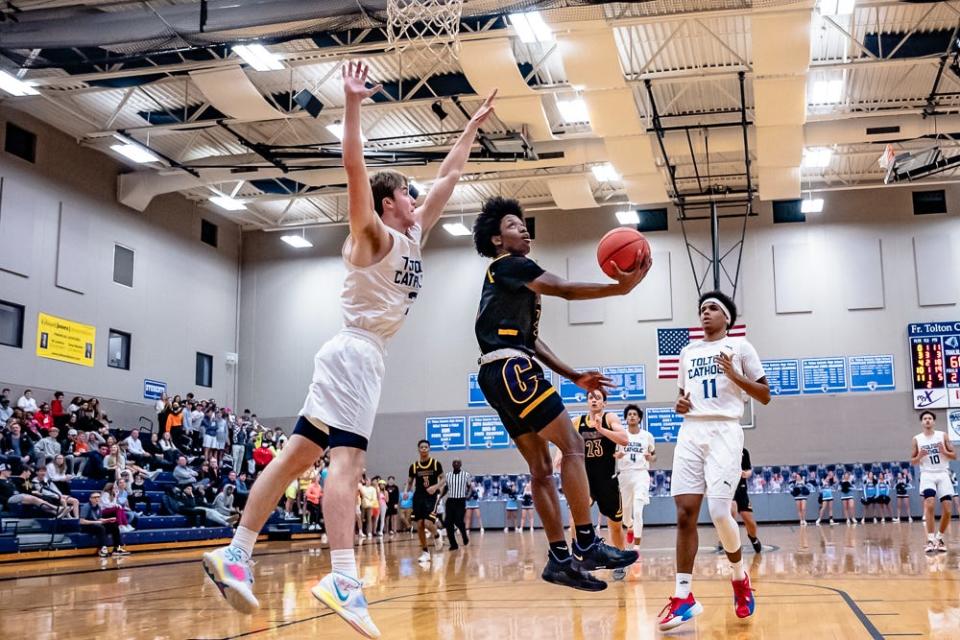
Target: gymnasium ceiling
792 76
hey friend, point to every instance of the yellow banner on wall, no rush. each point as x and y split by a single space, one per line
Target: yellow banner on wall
65 340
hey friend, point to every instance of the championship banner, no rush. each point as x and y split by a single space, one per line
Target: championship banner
65 340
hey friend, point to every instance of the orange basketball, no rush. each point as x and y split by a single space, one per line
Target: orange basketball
621 245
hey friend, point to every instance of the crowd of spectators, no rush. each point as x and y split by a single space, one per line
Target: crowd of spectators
212 454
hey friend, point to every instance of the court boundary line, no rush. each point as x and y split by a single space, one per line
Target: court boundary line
848 599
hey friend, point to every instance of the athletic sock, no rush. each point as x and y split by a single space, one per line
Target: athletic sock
560 551
684 584
932 537
938 536
585 535
343 561
738 572
752 539
244 539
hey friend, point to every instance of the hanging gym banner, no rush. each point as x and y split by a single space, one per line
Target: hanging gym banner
65 340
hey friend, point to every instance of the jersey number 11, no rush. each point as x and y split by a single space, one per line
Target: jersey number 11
710 388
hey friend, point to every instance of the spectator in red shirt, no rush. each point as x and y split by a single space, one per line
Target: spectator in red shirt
60 416
43 418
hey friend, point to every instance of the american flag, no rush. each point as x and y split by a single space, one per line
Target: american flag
671 341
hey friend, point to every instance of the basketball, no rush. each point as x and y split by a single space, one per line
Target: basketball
621 246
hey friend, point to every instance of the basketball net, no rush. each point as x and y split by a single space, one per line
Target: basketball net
424 32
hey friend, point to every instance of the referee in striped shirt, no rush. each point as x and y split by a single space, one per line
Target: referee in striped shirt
457 490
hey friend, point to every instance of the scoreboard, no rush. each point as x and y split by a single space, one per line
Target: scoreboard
935 360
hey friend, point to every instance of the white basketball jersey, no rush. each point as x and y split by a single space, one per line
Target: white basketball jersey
712 393
377 298
934 461
635 451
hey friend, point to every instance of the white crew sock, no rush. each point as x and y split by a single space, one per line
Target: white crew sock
684 584
344 561
932 537
738 572
244 539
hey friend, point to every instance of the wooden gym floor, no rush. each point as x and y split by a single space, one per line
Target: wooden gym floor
869 582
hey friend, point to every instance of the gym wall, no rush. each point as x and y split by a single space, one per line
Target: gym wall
59 222
845 283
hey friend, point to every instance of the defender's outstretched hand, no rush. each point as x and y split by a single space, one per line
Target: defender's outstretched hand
355 81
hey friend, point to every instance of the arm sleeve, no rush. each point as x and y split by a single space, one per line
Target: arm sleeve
515 272
745 462
750 362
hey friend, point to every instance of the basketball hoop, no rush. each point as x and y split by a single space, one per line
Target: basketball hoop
425 30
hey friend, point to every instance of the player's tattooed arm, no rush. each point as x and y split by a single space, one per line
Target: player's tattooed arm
759 390
588 380
948 451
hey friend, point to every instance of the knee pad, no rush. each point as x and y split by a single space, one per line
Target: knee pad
726 526
929 493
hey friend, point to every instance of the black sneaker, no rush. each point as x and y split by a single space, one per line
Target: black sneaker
600 555
757 546
563 574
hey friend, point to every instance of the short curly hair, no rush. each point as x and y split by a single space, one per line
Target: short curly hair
727 302
487 223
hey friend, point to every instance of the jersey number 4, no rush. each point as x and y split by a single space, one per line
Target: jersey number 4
710 388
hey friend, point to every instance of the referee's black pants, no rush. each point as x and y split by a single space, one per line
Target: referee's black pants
456 510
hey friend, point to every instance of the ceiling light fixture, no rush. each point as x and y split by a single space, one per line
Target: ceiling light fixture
297 242
228 203
628 216
531 27
811 205
135 152
826 91
456 229
258 57
15 86
604 172
836 7
573 110
817 157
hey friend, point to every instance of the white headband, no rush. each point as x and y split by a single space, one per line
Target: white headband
723 307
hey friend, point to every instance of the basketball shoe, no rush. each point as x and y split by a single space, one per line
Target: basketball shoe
344 596
230 570
743 601
678 611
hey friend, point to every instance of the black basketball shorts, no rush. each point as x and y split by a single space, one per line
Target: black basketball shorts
424 507
516 388
742 500
605 492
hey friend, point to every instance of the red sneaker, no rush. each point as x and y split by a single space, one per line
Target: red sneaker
629 536
678 611
743 601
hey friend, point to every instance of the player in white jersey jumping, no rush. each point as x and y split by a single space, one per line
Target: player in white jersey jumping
932 450
384 275
715 375
633 469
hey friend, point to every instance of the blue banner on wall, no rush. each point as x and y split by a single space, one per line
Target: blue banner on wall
824 375
630 381
487 432
871 373
154 389
783 376
571 393
474 394
448 433
663 423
